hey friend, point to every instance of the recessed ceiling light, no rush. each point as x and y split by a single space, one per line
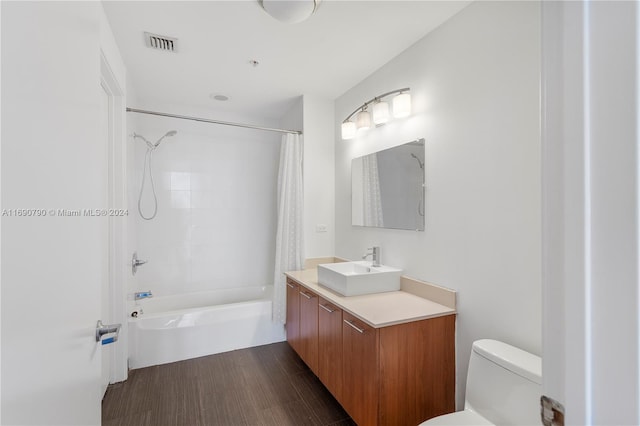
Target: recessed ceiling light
219 97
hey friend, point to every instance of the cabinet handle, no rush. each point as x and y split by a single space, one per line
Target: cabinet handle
327 309
358 329
291 285
306 295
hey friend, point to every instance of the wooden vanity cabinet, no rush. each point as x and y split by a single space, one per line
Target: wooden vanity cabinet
330 347
360 366
293 315
309 328
394 375
398 375
302 323
417 371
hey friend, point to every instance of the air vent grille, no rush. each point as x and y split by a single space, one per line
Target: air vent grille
155 41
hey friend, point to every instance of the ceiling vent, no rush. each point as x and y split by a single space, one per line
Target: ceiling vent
155 41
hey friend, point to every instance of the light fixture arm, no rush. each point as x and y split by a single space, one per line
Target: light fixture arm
377 98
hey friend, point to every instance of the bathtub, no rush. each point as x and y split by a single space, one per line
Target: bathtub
174 328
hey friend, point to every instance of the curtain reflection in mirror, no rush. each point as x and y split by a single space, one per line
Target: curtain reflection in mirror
371 192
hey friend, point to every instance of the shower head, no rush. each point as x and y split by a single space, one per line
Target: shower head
168 134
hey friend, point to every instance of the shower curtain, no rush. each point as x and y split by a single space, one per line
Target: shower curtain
289 234
371 192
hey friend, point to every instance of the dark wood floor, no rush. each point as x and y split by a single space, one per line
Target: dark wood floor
265 385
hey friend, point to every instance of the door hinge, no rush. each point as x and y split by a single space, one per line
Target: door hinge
551 412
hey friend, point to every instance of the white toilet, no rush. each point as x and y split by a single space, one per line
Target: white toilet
504 385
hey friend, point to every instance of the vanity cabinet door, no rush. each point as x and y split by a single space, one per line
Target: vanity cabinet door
293 315
309 328
330 347
360 370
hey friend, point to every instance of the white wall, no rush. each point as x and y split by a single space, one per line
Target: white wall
216 188
319 200
475 92
314 116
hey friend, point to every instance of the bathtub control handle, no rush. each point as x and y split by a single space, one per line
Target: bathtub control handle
135 262
102 329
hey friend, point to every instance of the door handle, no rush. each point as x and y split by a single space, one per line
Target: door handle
102 329
308 296
327 308
355 327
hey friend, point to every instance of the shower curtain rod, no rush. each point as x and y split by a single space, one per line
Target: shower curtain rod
206 120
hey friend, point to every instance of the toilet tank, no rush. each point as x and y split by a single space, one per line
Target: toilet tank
504 383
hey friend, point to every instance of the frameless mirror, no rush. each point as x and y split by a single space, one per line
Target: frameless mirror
387 188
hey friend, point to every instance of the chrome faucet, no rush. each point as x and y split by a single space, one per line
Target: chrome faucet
143 295
375 255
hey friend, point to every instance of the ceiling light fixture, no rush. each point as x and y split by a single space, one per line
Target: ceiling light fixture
401 108
290 11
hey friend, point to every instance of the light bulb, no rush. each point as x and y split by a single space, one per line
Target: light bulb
402 105
363 120
348 130
380 112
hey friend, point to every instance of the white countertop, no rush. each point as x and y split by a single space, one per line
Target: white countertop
379 309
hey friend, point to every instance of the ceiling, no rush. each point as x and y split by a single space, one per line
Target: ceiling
340 45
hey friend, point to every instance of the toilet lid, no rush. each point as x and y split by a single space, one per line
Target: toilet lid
460 418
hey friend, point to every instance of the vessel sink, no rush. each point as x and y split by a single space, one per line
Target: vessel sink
355 278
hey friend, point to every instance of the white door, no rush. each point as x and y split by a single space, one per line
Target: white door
591 202
52 161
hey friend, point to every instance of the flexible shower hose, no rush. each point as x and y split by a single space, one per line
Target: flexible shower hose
147 159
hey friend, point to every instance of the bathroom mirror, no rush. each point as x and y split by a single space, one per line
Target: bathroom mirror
387 188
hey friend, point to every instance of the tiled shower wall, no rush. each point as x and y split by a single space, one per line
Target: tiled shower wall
216 189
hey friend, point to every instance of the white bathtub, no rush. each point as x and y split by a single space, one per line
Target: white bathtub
174 328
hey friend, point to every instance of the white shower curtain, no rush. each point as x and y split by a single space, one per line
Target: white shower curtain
371 192
289 234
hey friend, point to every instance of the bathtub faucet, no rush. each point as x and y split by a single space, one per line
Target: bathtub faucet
143 295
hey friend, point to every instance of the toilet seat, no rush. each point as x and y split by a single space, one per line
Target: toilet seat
459 418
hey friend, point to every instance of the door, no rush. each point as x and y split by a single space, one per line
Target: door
309 328
293 315
330 347
53 165
591 304
360 370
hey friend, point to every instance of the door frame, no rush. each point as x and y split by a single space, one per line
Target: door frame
118 267
590 209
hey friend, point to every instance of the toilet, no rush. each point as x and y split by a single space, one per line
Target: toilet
504 385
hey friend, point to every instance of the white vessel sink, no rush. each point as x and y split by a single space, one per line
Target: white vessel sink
355 278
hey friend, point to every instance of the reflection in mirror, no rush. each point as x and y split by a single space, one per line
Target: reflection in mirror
387 188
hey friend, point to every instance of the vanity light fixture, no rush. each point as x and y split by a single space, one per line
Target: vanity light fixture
363 119
401 108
